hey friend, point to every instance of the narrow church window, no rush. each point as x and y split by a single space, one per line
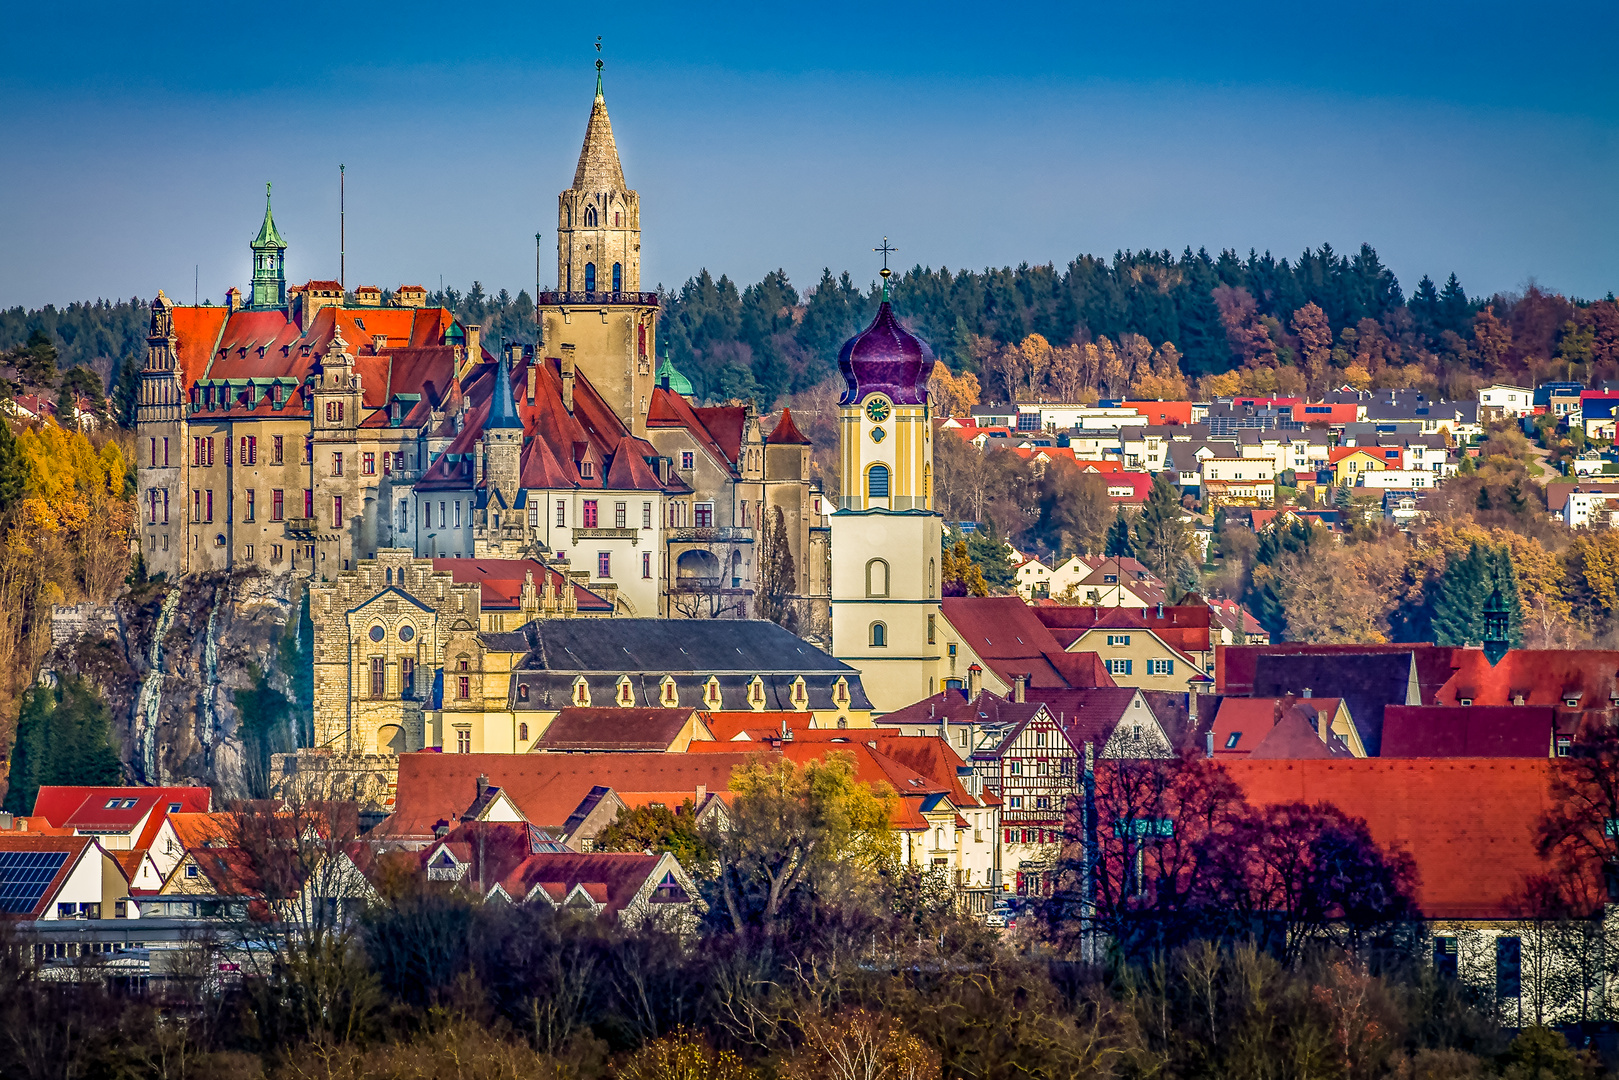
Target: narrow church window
618 277
931 571
877 482
879 635
590 277
590 221
877 578
522 729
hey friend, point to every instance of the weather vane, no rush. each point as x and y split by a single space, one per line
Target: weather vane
598 65
886 250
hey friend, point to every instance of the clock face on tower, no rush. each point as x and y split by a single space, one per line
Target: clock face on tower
877 410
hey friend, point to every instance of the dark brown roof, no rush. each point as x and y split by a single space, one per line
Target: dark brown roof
613 729
1468 731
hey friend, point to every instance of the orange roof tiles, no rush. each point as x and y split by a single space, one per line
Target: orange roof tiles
1469 823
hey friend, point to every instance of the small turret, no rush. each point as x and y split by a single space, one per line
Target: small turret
269 263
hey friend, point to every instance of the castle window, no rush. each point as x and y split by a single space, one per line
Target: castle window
378 633
368 464
604 564
877 578
877 482
590 221
463 687
379 676
463 740
879 636
337 464
522 729
646 515
703 515
620 515
406 632
590 513
277 504
407 676
618 276
932 571
590 275
275 447
562 513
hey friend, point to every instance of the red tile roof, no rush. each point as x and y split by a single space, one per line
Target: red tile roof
78 807
1163 412
786 431
1469 823
546 788
1411 731
1011 640
1541 676
726 423
578 728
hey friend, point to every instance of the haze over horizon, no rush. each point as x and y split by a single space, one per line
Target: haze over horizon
765 138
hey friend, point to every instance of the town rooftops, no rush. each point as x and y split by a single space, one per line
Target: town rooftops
118 810
609 728
501 582
436 788
702 646
34 868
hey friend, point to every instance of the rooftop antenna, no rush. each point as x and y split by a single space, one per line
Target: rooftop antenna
196 283
342 235
537 324
886 272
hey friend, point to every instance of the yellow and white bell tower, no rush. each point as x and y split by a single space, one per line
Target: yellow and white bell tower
886 536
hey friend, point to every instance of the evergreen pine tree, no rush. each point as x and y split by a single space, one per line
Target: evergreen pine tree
1457 598
63 737
13 470
1118 544
1161 537
1455 310
988 552
126 391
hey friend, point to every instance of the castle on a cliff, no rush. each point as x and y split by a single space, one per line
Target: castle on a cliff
304 429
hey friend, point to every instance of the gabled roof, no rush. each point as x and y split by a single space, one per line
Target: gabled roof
33 869
727 423
85 808
1472 853
1485 731
1540 676
1011 640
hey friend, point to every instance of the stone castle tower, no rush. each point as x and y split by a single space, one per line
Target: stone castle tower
887 536
598 307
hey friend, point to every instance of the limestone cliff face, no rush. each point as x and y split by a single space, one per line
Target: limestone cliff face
171 669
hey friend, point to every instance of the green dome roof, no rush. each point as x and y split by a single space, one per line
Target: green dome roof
677 382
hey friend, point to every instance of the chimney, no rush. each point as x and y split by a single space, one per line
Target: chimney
533 375
1305 692
567 377
975 675
1160 609
474 343
702 793
483 785
1020 687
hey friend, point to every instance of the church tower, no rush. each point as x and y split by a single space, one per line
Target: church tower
598 307
269 263
886 536
160 451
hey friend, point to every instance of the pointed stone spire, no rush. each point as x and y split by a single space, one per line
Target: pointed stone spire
599 168
503 410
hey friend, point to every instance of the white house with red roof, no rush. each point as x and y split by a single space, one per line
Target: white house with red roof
119 818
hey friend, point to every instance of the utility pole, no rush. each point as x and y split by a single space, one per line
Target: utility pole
342 235
1087 887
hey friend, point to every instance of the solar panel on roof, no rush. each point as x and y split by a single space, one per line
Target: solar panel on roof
24 877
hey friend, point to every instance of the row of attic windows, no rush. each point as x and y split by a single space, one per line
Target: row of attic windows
669 694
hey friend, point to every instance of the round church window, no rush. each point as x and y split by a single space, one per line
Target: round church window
377 633
406 633
878 434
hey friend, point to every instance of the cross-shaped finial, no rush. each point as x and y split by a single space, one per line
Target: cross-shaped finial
886 250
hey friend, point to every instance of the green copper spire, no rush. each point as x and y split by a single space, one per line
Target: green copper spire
269 263
667 374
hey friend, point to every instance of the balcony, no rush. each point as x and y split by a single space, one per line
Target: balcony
632 535
594 299
718 534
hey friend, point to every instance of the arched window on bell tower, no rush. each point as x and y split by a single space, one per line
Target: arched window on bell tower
877 482
590 277
590 217
618 277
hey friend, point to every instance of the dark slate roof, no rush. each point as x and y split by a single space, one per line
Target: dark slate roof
1368 682
671 647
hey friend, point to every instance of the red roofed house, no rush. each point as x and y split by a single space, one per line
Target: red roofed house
50 878
1470 826
514 863
1004 638
120 818
1171 413
1137 649
1284 727
1580 686
1446 731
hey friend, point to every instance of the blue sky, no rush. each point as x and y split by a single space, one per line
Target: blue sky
136 140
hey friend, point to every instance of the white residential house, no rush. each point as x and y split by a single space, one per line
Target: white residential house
1505 400
1238 478
1408 479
